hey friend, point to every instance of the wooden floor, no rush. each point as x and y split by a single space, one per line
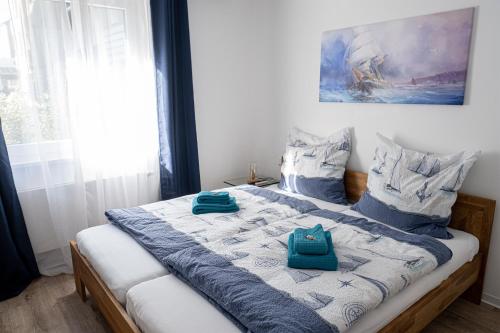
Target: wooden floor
50 304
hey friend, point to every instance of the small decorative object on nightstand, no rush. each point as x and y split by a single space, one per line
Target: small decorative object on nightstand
252 175
260 181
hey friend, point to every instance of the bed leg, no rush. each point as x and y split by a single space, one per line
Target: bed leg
80 288
474 293
75 258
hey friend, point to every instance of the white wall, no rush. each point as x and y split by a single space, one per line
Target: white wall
476 125
259 60
232 76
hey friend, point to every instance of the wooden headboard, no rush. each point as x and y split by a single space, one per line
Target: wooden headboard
470 213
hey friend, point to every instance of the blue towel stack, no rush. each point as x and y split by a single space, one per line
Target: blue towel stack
311 249
214 202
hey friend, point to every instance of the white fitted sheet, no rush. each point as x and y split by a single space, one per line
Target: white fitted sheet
118 259
122 263
150 302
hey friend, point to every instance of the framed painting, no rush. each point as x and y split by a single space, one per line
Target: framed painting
417 60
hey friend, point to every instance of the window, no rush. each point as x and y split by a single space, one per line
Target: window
28 113
78 100
109 33
11 111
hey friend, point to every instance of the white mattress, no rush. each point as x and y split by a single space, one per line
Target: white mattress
167 304
118 259
122 263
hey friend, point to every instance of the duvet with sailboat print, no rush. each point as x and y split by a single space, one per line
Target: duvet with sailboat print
240 265
414 191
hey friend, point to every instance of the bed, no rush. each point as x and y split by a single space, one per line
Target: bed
465 275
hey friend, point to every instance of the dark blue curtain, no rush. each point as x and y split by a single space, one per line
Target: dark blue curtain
179 168
17 261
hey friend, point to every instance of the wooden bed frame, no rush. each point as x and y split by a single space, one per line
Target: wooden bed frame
470 213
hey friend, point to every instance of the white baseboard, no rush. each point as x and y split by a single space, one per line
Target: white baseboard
491 300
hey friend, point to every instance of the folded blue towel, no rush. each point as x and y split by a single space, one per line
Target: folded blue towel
207 197
310 241
199 208
327 262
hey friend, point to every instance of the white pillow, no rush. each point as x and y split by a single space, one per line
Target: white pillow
315 166
414 191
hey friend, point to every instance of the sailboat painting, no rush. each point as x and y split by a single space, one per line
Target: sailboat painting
417 60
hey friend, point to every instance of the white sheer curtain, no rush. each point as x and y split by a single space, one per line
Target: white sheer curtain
86 140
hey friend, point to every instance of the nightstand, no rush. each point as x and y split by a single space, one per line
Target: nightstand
261 181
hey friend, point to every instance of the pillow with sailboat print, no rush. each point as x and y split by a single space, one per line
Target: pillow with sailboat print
314 166
414 191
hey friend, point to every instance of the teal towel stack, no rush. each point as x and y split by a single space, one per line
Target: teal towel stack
207 197
327 262
212 202
310 241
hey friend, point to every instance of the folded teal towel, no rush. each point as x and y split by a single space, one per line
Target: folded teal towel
206 197
327 262
310 241
199 208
